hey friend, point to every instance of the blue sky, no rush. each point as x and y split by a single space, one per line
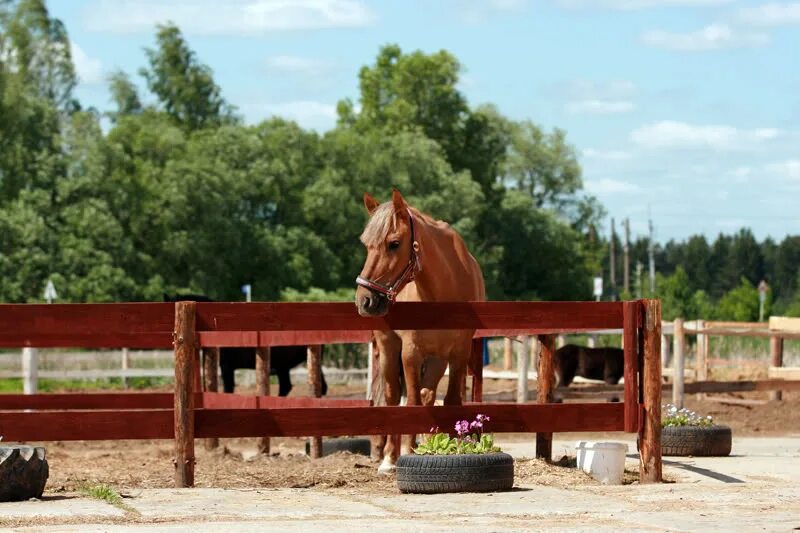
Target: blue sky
687 108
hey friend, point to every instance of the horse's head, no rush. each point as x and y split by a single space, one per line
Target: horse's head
392 254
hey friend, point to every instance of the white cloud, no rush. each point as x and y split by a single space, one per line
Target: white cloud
307 113
611 186
639 4
772 14
594 97
234 17
741 174
89 69
600 107
301 65
787 169
672 134
607 155
715 36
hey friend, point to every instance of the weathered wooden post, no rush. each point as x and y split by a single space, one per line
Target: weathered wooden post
315 388
678 350
701 363
262 387
185 342
522 371
650 427
211 383
30 370
631 311
546 379
776 353
664 351
508 354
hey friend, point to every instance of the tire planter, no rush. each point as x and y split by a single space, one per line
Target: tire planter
432 474
357 446
696 441
23 472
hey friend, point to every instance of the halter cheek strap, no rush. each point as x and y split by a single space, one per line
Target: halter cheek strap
414 265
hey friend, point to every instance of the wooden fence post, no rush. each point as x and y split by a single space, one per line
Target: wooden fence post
211 383
665 351
631 311
546 378
185 342
30 370
650 427
678 351
776 353
701 363
315 388
508 354
262 387
522 371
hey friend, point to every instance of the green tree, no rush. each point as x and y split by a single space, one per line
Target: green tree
185 87
740 303
124 95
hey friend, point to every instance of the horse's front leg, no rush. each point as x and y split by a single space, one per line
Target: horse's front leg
390 367
412 370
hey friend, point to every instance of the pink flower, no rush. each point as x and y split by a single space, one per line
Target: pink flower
462 427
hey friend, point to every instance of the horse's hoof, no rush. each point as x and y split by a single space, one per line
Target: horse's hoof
386 468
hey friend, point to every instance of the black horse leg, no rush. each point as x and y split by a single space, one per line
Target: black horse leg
228 383
284 382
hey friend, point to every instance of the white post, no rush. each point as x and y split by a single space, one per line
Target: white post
523 354
664 351
591 342
125 362
30 370
677 362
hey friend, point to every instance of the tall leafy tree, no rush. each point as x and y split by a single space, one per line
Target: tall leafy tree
185 87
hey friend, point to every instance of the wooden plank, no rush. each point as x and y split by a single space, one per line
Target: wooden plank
650 434
45 426
119 325
631 366
281 338
100 400
221 400
546 317
679 359
776 356
284 402
784 372
506 418
741 386
544 396
186 351
784 324
523 359
733 324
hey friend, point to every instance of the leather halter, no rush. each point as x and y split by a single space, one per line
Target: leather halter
413 266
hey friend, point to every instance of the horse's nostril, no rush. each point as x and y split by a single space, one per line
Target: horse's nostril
365 302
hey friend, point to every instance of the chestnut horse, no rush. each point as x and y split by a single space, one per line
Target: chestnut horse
413 258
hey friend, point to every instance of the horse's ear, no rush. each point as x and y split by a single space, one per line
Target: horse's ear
370 203
398 201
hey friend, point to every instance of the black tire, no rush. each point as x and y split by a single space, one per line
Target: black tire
23 472
696 441
432 474
357 446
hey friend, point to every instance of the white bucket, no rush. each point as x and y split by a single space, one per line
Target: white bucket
604 461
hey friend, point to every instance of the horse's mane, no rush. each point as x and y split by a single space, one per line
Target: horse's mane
384 220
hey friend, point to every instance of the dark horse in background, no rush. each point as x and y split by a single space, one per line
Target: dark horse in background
606 364
282 358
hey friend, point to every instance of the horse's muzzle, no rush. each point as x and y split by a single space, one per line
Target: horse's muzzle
371 304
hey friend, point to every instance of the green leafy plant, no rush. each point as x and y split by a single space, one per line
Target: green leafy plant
469 439
672 416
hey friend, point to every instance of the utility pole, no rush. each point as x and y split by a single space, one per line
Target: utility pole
626 260
638 279
650 251
612 263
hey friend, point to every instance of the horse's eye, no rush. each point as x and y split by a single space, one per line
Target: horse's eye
394 245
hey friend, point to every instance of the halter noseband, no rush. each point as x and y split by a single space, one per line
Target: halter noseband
390 291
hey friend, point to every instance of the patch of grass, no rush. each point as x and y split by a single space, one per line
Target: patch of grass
109 495
14 385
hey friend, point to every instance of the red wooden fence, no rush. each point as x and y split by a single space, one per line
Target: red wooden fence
189 414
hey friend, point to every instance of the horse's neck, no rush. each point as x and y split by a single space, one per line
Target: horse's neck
438 280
